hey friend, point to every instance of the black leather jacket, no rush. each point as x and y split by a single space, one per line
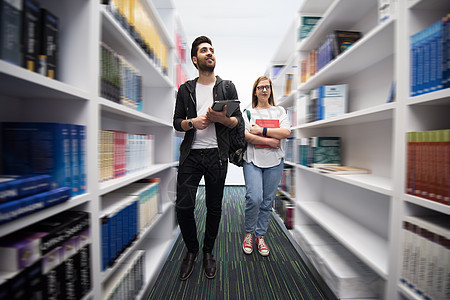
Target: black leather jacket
185 108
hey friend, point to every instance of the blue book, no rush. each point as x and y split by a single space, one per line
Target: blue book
18 186
15 209
38 148
104 231
74 159
82 157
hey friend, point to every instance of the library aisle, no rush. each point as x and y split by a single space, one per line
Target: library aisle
281 275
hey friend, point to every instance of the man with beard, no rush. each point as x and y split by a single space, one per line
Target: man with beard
203 152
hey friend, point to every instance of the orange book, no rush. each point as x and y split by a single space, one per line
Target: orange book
269 123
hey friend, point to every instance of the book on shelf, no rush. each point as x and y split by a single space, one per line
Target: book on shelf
307 24
119 226
30 34
129 279
344 39
288 84
48 58
428 163
429 58
268 123
17 186
340 170
46 148
54 263
324 151
11 31
332 101
19 208
425 256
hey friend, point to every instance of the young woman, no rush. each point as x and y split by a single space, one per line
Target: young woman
263 166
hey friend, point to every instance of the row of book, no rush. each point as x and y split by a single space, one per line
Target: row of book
321 103
180 46
319 151
122 153
119 80
135 19
428 165
333 45
181 76
425 266
307 24
287 181
430 58
55 149
21 195
29 36
47 260
345 274
126 213
284 207
127 282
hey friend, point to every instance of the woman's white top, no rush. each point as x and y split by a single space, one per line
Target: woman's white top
266 157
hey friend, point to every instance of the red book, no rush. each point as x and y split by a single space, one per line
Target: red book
269 123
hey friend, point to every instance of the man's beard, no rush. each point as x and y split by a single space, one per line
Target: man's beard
205 67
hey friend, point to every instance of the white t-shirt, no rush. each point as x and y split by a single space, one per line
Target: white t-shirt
205 138
266 157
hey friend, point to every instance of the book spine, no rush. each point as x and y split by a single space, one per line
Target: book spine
49 44
11 31
30 34
81 157
17 186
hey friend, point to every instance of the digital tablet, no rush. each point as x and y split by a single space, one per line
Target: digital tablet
232 105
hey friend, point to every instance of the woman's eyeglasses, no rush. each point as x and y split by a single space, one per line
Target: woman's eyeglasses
263 87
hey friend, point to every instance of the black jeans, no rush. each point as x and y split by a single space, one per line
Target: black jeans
201 162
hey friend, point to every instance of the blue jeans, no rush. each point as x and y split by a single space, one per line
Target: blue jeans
261 185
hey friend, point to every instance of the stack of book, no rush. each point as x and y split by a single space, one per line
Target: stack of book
426 256
55 149
428 163
21 195
287 182
122 153
322 103
29 36
307 24
135 19
126 213
285 209
119 80
332 46
47 260
128 281
430 58
319 151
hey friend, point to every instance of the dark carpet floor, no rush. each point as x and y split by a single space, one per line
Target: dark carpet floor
281 275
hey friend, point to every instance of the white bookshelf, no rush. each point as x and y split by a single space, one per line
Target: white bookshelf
364 212
74 98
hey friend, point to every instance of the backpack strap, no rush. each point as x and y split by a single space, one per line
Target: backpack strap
225 88
248 114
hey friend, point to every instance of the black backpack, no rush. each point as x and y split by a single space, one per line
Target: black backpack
238 144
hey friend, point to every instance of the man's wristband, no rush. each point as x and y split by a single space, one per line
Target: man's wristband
265 131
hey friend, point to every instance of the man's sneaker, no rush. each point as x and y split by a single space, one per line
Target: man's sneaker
247 245
262 247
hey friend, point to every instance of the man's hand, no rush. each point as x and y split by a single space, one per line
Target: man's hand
201 122
217 116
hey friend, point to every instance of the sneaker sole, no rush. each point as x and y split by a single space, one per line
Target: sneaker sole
246 252
262 254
